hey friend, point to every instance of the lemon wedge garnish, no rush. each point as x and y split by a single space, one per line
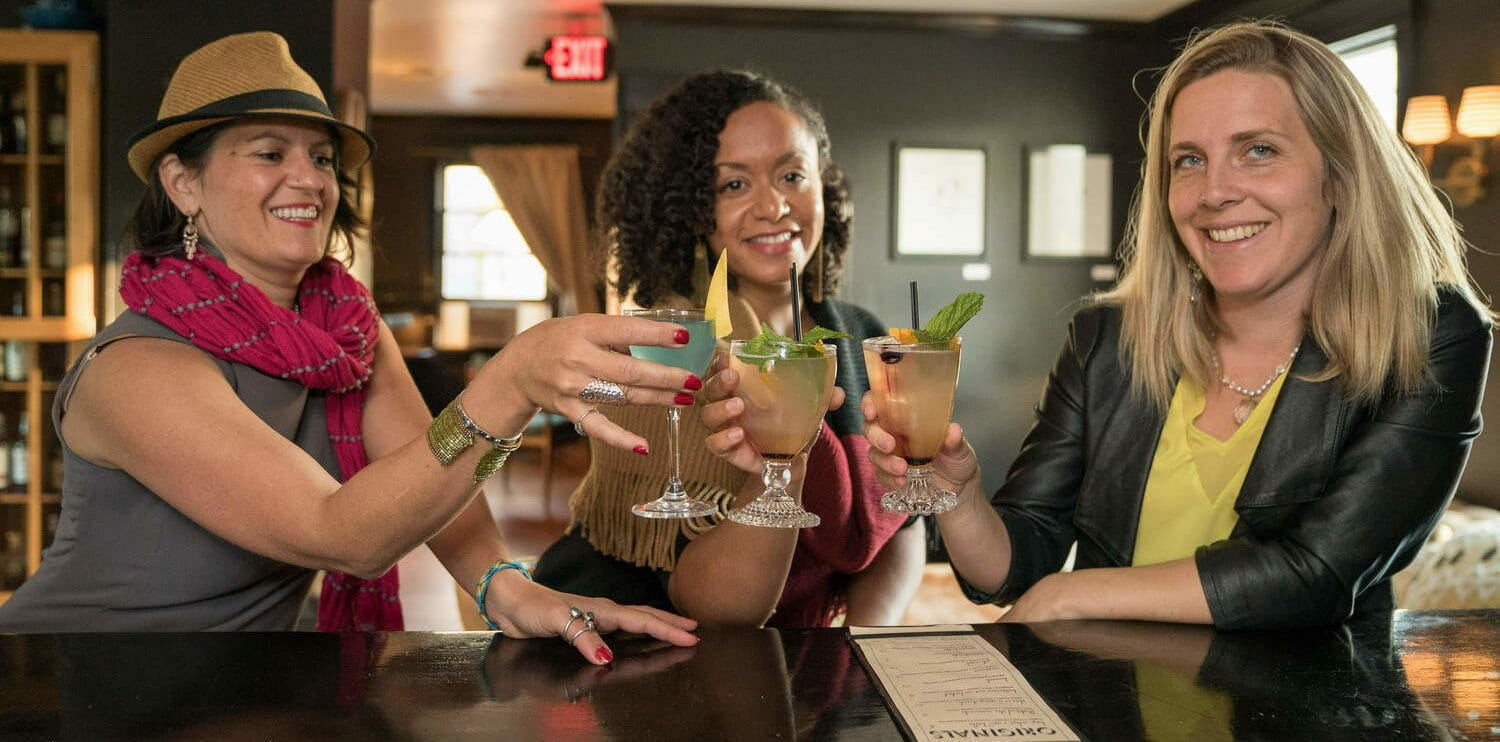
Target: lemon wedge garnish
716 305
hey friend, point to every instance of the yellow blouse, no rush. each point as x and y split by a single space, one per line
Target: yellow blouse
1195 478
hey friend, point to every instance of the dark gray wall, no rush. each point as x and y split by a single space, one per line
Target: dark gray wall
878 84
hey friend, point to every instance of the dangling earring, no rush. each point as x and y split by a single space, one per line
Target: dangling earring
817 282
1196 291
190 238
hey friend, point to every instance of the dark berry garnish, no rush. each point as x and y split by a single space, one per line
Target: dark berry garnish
890 356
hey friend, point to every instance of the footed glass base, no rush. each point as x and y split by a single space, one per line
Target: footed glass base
775 508
919 496
664 507
674 503
768 511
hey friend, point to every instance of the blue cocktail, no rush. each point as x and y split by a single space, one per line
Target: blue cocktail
694 357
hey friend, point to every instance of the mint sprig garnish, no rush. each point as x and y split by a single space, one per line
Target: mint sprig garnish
819 334
950 319
763 344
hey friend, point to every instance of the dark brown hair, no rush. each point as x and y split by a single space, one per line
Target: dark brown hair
155 228
655 201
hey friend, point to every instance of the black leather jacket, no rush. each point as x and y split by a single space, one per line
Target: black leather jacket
1339 496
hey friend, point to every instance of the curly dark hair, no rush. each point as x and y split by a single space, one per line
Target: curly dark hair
155 228
655 201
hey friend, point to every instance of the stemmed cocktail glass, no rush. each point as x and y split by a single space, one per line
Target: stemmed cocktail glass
694 357
913 386
786 389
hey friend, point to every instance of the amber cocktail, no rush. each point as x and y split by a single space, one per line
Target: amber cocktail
786 388
913 385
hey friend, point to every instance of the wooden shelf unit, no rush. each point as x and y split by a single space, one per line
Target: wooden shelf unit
54 195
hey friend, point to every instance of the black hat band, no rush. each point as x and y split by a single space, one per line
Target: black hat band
244 103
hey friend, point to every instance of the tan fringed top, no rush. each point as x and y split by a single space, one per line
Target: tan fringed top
618 479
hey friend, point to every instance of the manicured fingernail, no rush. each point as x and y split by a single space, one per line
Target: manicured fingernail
604 655
682 398
641 450
681 337
693 382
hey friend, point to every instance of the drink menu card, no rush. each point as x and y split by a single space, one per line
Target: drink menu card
948 682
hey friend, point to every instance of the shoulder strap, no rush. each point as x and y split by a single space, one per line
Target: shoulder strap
84 361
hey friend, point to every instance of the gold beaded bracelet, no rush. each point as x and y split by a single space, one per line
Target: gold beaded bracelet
453 432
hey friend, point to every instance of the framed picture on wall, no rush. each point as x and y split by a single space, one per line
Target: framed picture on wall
1068 207
938 201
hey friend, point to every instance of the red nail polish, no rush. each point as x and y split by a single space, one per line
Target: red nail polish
682 398
640 450
604 655
693 382
681 337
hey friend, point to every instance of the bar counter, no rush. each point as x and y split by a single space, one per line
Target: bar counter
1408 675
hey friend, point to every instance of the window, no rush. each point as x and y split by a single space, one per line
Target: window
484 256
1371 56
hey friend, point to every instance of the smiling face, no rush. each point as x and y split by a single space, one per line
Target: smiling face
1246 187
266 195
768 203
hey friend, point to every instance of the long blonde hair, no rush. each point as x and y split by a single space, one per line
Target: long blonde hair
1390 246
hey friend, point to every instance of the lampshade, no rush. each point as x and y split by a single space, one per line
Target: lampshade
1426 120
1479 111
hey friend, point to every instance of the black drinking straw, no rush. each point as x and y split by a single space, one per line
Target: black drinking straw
796 308
916 324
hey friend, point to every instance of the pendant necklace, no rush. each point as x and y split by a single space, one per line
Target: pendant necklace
1251 397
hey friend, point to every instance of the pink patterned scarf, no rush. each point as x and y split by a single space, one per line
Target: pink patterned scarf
327 344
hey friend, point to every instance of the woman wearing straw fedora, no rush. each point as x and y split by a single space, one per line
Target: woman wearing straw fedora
293 438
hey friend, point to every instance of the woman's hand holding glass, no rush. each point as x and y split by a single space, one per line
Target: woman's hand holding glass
955 468
549 365
721 414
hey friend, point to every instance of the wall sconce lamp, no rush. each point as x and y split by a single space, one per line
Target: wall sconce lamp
1427 124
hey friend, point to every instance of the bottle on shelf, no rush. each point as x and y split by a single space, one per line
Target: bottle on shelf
5 459
14 561
18 302
18 121
7 137
10 230
52 299
17 359
57 120
55 248
20 463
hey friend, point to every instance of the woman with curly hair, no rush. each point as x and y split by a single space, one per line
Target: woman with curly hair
734 166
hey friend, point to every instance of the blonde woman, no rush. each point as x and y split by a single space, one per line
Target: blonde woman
1262 422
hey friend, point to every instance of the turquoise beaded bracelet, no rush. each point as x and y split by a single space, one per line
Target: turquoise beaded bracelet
484 586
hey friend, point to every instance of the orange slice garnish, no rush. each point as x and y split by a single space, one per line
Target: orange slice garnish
904 335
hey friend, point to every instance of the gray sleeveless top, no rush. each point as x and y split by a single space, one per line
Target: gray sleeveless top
125 560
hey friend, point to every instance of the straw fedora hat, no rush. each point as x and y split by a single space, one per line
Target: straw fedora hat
249 74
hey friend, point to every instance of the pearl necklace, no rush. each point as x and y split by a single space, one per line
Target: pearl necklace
1251 397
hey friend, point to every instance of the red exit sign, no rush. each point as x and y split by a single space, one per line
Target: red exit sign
576 57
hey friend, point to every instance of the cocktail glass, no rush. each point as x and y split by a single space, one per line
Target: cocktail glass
674 501
786 393
913 386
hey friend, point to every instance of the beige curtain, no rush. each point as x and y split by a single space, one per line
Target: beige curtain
543 191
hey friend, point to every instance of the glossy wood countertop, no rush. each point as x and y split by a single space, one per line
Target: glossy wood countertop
1407 675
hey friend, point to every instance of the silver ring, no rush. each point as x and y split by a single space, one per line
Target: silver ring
578 425
600 391
588 625
573 615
